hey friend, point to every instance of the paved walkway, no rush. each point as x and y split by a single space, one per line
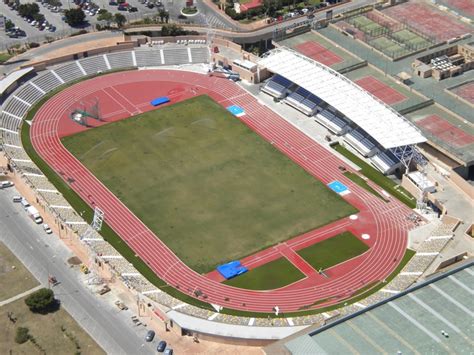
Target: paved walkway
20 295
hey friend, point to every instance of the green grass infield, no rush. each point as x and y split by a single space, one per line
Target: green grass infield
333 251
205 183
272 275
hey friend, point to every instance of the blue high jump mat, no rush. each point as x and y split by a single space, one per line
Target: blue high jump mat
236 110
232 269
338 187
159 101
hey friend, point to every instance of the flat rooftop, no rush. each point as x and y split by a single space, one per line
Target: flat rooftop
433 317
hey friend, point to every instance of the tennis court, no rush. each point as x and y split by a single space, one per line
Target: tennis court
411 39
429 20
463 7
365 24
446 131
319 53
388 47
380 90
466 91
321 49
442 137
389 91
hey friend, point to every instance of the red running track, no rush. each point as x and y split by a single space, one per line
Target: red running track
386 223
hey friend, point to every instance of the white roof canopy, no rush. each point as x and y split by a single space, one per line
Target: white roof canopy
380 121
6 82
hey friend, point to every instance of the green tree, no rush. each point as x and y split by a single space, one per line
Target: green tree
41 300
75 17
54 2
272 6
28 10
120 20
162 14
172 30
39 17
9 25
105 16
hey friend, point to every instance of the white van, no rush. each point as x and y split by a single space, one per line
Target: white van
34 215
24 203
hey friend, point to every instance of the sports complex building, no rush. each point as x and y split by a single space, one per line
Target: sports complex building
244 210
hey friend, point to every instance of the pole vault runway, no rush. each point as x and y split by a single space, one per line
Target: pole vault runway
386 223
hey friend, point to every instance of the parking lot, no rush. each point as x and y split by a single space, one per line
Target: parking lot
55 27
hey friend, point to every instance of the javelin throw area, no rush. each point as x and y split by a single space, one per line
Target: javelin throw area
128 93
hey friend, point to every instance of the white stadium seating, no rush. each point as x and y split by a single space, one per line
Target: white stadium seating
386 162
69 72
176 56
29 93
277 86
304 101
120 60
47 81
361 142
332 122
93 65
148 58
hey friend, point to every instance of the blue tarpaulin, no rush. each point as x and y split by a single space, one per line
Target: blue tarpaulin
236 110
338 187
159 101
232 269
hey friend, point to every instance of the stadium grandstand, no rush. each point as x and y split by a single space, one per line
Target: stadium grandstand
431 317
368 125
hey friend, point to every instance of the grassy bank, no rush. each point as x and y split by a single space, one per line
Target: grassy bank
378 178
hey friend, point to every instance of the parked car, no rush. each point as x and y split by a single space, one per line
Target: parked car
161 346
121 305
133 9
168 351
150 335
47 229
4 184
104 289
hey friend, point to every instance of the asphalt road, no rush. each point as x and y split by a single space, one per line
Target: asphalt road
46 255
51 47
265 33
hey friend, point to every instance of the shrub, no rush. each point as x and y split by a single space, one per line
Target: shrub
22 335
33 45
81 32
41 300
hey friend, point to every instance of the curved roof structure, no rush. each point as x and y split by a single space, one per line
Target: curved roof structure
9 80
384 124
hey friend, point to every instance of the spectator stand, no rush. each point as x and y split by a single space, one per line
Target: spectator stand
380 133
